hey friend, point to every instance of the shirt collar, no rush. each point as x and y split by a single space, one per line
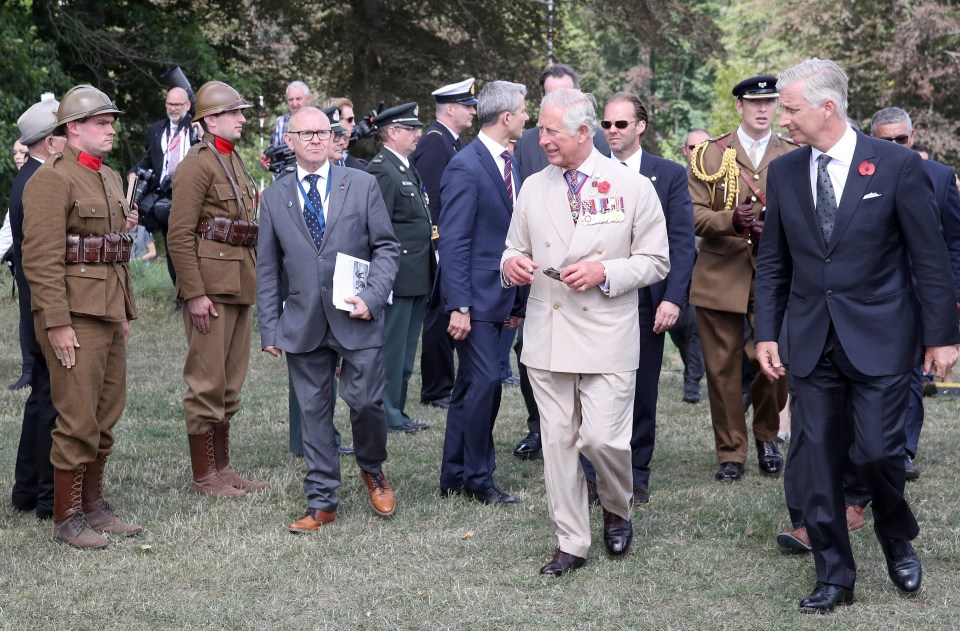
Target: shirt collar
746 141
494 147
223 146
589 165
842 151
405 161
632 161
323 171
89 161
453 133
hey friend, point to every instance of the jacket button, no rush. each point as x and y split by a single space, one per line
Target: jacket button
547 243
556 306
586 309
756 176
83 270
319 258
221 254
829 294
404 251
827 262
323 289
93 210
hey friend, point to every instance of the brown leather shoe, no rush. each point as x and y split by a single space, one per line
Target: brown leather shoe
562 563
855 520
206 480
796 540
221 456
69 526
311 521
381 493
96 510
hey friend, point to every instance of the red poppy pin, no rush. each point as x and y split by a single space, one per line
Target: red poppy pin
603 187
867 168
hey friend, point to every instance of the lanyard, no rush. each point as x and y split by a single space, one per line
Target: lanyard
309 204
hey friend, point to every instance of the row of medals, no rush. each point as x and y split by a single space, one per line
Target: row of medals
590 215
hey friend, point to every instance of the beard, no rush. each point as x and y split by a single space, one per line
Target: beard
175 120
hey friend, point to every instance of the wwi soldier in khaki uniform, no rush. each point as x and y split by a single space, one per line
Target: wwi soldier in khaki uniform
727 181
212 239
75 258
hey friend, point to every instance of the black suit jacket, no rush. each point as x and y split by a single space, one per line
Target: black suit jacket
861 282
531 157
948 203
153 154
16 228
670 181
434 151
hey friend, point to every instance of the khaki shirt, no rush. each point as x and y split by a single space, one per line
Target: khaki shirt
201 190
64 197
723 275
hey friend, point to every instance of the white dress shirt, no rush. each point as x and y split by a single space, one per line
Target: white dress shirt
495 149
748 144
841 156
403 159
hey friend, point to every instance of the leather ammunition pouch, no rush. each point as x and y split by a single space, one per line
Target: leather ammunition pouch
232 231
113 247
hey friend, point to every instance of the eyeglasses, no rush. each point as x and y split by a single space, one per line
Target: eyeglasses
338 136
169 104
307 136
902 139
617 124
407 128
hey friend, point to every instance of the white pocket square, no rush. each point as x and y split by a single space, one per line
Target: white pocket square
871 195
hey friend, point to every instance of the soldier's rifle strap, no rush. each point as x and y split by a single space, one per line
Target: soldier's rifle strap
755 189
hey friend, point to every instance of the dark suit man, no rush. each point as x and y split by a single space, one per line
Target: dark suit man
852 248
531 159
404 196
168 142
315 215
624 122
478 195
33 475
894 124
456 107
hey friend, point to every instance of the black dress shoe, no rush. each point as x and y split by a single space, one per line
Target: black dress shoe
825 597
22 382
511 382
443 403
617 533
562 563
770 458
729 472
406 428
451 491
911 469
491 495
593 497
691 399
529 447
420 425
44 512
23 505
641 495
903 564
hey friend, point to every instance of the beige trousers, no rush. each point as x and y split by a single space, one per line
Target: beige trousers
590 414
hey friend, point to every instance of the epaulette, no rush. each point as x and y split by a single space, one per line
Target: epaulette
378 159
729 142
788 139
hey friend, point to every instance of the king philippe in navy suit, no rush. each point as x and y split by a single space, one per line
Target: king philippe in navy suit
624 122
853 249
478 191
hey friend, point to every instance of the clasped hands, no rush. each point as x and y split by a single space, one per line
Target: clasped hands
578 276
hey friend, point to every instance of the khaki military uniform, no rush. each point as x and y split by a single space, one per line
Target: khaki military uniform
65 197
216 363
722 290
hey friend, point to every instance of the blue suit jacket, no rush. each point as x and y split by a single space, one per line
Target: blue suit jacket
886 233
474 219
670 181
948 203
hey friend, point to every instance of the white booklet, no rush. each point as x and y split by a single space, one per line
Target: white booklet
349 279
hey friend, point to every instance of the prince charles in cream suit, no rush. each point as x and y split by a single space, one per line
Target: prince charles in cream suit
601 226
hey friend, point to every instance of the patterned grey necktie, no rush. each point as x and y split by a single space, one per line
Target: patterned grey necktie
826 200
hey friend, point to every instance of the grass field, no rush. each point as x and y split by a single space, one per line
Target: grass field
704 555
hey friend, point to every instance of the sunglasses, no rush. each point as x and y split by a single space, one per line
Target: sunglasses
900 140
617 124
691 147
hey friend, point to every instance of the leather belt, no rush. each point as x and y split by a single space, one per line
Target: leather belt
231 231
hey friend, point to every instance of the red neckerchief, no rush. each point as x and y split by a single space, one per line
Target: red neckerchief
223 146
89 161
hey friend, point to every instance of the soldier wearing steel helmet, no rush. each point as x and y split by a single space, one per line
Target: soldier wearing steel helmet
75 258
212 239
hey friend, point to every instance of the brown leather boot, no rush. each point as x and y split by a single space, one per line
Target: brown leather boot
206 480
69 526
221 454
382 499
96 510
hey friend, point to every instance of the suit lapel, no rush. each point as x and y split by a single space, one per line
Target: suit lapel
338 192
294 207
853 189
486 160
801 184
556 207
650 169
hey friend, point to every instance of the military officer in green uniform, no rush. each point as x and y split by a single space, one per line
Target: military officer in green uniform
406 200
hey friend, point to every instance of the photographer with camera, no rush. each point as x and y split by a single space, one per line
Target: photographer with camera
168 142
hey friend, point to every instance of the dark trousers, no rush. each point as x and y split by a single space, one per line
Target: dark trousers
33 475
361 386
164 226
469 457
533 413
643 435
876 423
914 420
295 419
687 340
436 354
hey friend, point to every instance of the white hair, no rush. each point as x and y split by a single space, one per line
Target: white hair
823 80
579 108
298 84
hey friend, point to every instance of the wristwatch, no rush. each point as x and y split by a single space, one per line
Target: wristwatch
463 309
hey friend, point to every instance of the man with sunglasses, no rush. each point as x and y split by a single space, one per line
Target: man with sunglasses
406 200
727 183
624 123
894 124
456 107
347 120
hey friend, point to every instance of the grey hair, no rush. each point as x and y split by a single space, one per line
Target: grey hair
579 108
823 80
890 116
496 98
298 84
